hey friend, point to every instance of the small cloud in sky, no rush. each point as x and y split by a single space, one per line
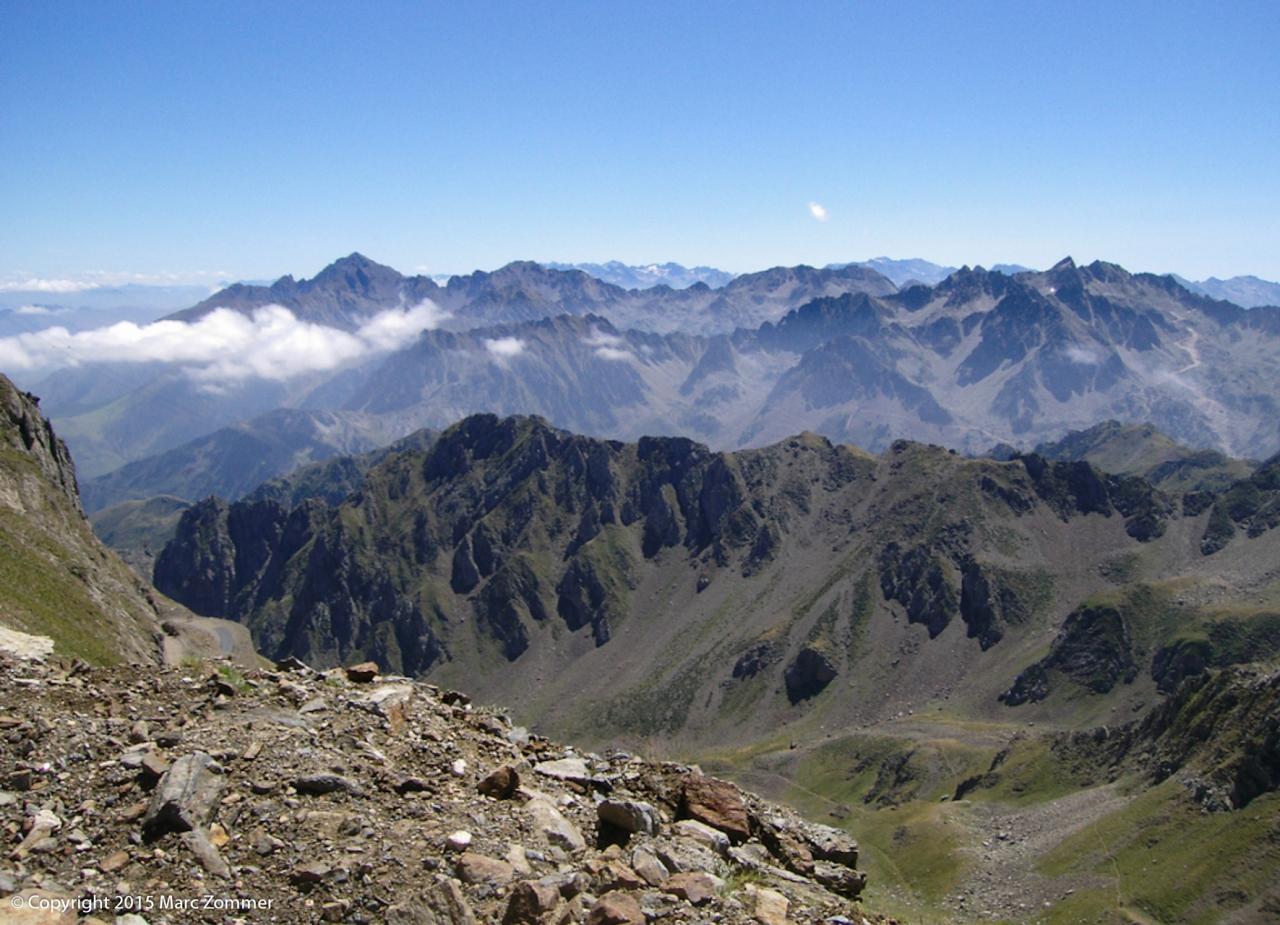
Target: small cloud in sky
504 347
37 310
224 346
818 211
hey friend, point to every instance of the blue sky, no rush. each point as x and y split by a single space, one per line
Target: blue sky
250 140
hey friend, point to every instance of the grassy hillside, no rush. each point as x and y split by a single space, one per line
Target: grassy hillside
56 580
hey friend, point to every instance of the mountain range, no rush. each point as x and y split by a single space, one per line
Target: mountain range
1249 291
647 276
978 359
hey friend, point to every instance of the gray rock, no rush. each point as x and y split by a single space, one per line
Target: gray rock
206 853
185 797
684 856
839 879
830 844
645 863
553 826
564 769
703 834
441 904
630 816
320 784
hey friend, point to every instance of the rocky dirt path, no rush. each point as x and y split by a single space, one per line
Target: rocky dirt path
1004 882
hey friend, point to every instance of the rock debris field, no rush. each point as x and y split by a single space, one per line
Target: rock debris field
203 794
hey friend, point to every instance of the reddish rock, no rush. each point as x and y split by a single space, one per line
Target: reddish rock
612 874
500 784
616 909
790 849
531 903
476 868
717 803
697 888
113 862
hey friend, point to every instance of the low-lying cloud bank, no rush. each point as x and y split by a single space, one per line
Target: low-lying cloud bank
224 346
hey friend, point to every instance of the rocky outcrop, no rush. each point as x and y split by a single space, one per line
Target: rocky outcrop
1079 488
312 792
988 605
1216 644
24 429
1251 505
918 579
809 674
1218 734
1094 649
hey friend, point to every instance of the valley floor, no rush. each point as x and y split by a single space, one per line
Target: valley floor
1027 843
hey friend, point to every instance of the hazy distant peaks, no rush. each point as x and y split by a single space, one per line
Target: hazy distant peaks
646 276
1248 291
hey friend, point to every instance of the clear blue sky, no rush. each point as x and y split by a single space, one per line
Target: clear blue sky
261 138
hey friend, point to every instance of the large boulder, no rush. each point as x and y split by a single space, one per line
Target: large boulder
716 802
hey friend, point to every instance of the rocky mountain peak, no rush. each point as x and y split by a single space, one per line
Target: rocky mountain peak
25 430
356 273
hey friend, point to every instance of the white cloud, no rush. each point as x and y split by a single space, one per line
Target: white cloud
36 310
598 338
818 211
504 347
45 285
613 353
1083 355
96 279
223 346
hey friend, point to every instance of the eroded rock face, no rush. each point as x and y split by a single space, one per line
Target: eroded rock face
23 427
918 580
1218 734
1094 649
249 799
809 674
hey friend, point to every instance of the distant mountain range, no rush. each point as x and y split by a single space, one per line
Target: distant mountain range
979 358
901 272
1248 291
647 276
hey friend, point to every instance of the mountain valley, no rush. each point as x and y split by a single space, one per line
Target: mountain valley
815 622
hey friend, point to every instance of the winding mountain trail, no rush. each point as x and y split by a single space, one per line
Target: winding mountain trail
1191 346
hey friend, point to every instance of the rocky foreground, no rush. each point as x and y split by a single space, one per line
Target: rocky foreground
202 794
